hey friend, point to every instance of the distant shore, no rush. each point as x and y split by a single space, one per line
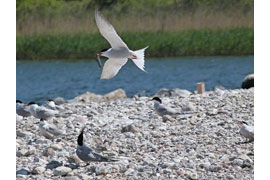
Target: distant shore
202 42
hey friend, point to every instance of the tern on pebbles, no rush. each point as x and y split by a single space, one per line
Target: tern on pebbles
41 112
163 110
49 131
22 109
246 130
87 154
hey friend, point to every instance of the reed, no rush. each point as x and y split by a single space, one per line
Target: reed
201 42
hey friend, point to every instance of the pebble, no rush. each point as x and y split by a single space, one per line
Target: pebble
61 171
22 172
56 147
72 178
53 164
198 144
129 128
38 170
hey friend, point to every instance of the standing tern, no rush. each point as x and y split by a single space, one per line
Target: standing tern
50 131
119 53
87 154
51 105
246 130
22 109
161 109
41 112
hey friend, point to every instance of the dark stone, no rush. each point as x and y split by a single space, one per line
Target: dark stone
53 164
248 81
22 172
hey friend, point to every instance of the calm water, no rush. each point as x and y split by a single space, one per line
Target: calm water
40 80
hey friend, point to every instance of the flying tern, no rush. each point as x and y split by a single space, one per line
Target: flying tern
119 53
87 154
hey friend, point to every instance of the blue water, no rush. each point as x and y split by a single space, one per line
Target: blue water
40 80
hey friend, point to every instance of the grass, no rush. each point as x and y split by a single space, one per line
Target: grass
202 42
64 29
134 22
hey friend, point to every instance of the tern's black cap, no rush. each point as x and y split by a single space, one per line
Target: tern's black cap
80 138
157 99
31 103
18 101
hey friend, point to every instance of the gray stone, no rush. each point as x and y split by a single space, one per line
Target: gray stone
88 97
22 172
56 147
238 162
244 157
214 168
59 100
48 152
21 152
129 128
72 178
114 95
38 170
61 171
167 118
23 133
229 176
53 164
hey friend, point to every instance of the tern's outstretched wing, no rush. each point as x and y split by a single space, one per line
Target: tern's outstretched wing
109 33
111 67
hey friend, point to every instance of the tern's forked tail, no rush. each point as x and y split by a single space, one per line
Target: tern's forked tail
140 58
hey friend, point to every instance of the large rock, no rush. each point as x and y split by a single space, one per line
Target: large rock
88 97
61 171
248 81
116 94
59 100
92 97
173 92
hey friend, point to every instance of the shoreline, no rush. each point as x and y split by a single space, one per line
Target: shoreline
202 144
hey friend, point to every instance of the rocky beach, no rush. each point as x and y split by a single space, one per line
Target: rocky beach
203 142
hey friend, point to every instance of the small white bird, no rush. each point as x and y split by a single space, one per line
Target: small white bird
22 109
50 131
246 130
51 105
162 110
41 112
119 53
87 154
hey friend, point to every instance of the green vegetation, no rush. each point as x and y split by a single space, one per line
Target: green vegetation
63 29
237 41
